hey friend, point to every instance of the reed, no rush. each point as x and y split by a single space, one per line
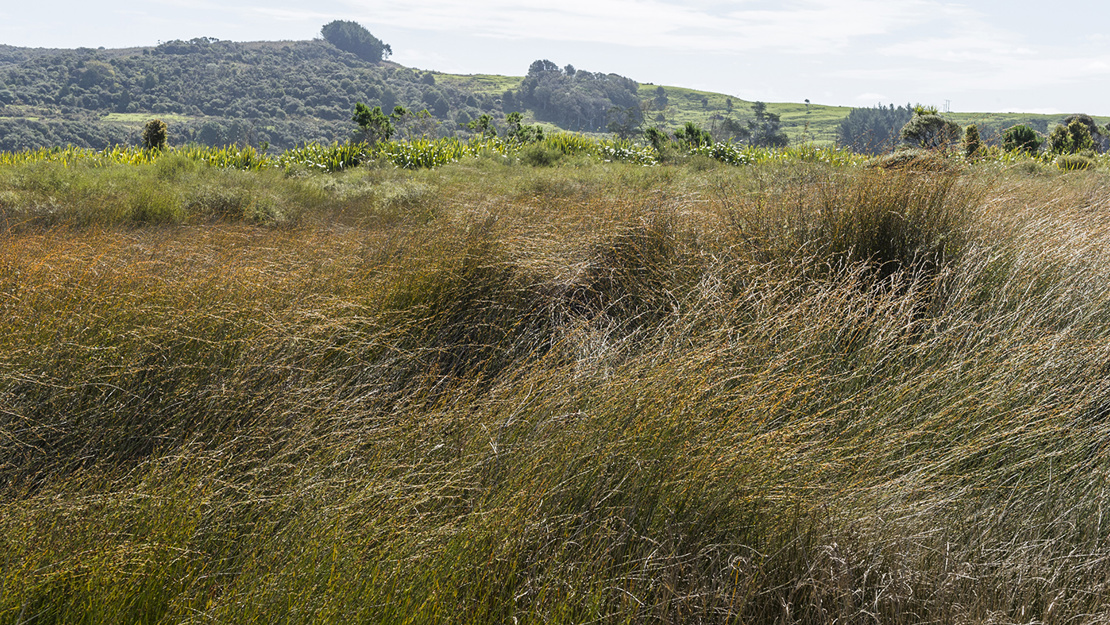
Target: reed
799 390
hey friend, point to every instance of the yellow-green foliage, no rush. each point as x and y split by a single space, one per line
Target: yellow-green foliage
431 153
793 391
71 155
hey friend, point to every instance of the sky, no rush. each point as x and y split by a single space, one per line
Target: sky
971 56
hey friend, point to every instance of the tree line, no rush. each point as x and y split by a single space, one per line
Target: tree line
882 129
288 93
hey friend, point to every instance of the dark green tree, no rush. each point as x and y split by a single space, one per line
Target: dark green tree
483 126
661 100
1021 137
693 136
155 135
873 130
973 146
1099 141
516 130
352 37
730 130
766 129
625 121
576 102
543 66
1075 137
374 125
930 131
657 138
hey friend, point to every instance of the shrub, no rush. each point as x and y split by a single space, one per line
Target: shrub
1075 137
914 159
1021 138
517 131
657 138
1075 162
540 155
972 144
931 132
1098 140
155 135
693 136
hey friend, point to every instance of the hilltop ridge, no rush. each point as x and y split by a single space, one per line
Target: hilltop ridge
285 93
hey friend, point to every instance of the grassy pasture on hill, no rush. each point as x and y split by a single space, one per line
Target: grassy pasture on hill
597 392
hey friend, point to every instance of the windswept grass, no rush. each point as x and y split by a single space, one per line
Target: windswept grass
795 391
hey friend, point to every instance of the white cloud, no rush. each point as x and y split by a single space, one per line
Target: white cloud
872 98
291 15
799 26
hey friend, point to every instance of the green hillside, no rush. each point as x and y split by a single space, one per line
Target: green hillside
285 93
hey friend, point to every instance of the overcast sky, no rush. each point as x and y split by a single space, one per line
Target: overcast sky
979 55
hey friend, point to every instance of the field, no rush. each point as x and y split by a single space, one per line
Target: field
799 390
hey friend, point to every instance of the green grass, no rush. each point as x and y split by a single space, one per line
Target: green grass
142 118
687 105
491 84
797 390
814 124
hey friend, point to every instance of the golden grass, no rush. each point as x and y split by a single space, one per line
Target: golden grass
790 392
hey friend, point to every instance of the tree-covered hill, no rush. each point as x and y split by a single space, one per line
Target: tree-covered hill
285 93
219 92
281 93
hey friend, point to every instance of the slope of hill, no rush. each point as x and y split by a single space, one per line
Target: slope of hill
284 93
218 91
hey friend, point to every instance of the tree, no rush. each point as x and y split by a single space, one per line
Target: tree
374 124
693 136
766 129
873 130
483 126
352 37
418 124
581 101
515 130
729 130
155 135
1022 138
625 121
543 66
657 138
972 144
1075 137
930 131
661 100
1098 139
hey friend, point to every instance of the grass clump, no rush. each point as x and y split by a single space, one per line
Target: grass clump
1075 162
794 391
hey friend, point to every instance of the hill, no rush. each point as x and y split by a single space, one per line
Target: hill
285 93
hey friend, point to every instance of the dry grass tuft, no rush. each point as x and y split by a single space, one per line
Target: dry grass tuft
789 392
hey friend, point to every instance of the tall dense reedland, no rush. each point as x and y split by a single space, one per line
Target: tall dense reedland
786 392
